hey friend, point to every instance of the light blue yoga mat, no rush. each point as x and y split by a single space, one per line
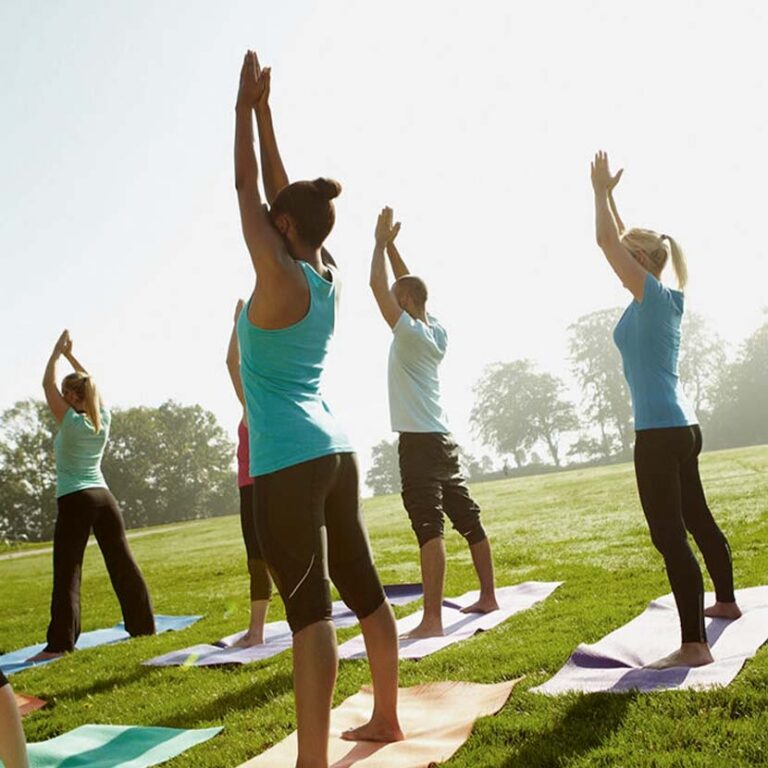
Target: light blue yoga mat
109 746
16 661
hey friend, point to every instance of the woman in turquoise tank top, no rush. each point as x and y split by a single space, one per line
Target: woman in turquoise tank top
667 434
306 484
84 502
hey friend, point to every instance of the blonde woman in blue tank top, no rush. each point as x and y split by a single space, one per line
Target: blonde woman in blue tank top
306 485
85 503
667 434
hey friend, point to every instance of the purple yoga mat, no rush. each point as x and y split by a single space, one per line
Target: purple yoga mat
457 625
617 662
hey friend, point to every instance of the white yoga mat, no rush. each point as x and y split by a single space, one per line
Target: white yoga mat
457 625
617 662
277 637
436 718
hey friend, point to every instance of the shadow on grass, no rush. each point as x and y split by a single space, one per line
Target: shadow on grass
584 726
248 696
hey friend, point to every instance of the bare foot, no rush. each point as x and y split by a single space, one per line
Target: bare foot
248 640
688 655
426 629
483 605
46 655
723 611
375 730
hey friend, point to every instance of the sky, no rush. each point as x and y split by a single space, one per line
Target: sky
476 122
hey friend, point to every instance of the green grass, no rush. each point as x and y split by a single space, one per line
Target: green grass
583 527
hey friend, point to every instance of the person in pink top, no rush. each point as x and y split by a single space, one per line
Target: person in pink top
261 583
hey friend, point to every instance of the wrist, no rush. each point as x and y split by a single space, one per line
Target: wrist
243 107
262 109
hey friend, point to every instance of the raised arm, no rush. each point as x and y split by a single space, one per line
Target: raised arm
395 259
612 203
56 402
263 241
607 232
233 358
275 177
379 281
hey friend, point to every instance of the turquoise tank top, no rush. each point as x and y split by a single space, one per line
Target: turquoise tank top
288 420
648 337
78 451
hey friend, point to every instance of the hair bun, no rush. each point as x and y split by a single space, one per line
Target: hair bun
328 188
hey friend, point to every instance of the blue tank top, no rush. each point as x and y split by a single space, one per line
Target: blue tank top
78 449
648 337
288 420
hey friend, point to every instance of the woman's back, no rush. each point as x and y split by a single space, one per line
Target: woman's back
79 450
288 420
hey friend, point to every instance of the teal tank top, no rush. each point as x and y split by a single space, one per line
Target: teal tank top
78 450
288 420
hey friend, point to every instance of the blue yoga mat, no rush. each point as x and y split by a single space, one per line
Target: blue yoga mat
16 661
109 746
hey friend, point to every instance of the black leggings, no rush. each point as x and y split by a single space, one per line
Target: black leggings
667 470
310 529
77 513
261 584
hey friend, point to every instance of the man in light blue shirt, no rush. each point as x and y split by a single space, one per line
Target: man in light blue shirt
432 482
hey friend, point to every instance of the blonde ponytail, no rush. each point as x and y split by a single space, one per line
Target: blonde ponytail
92 403
84 387
679 263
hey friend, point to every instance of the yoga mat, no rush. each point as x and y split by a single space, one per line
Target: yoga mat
616 663
277 637
28 704
436 718
457 625
109 746
16 661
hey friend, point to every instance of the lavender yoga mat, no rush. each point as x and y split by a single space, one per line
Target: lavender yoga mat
277 637
617 662
457 625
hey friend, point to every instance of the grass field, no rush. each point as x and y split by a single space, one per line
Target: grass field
582 527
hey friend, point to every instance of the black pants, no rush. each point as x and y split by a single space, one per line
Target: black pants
311 531
432 484
667 470
77 513
261 584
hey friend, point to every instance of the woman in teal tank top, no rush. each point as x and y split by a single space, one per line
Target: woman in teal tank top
667 434
306 485
84 502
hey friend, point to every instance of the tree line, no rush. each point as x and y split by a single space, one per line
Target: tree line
524 415
163 464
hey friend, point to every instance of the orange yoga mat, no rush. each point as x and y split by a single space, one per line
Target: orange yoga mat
27 704
437 719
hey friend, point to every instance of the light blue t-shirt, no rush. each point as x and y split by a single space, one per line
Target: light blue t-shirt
648 337
78 450
416 352
288 420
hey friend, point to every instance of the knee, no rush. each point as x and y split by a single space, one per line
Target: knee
475 533
359 586
669 544
427 530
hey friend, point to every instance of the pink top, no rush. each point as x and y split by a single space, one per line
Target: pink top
243 475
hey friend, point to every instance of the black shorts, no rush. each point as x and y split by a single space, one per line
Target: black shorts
433 484
311 532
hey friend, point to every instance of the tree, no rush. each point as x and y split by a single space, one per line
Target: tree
384 476
740 414
162 464
596 365
27 471
702 363
516 407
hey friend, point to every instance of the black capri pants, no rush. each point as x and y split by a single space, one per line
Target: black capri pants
311 532
432 483
672 497
261 583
